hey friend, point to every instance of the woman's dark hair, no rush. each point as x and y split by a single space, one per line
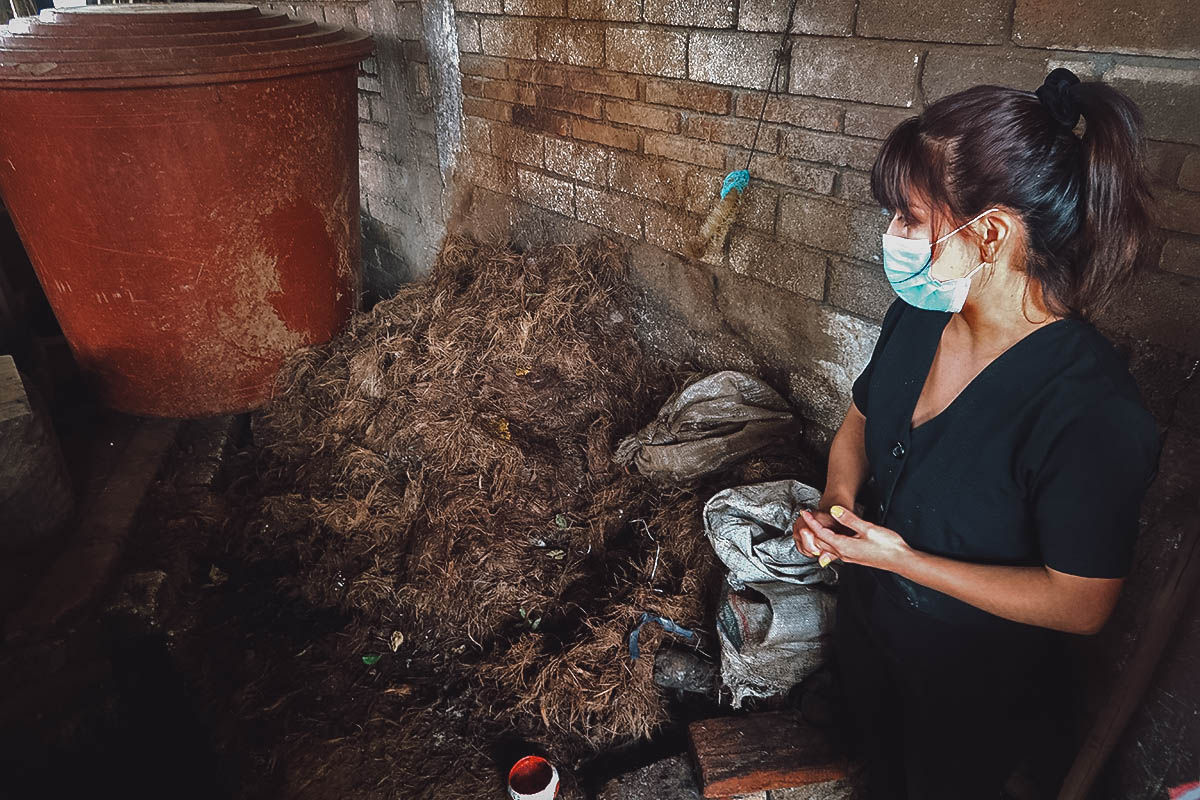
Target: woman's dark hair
1084 200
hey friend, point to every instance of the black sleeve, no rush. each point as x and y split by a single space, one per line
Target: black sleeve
1088 492
859 390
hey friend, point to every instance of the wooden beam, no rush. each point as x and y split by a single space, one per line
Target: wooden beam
1164 612
757 752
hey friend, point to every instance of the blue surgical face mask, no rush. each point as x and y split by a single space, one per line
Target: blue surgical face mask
907 264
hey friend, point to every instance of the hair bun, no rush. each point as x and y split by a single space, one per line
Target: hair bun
1057 94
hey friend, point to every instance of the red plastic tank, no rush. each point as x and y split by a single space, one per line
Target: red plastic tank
185 180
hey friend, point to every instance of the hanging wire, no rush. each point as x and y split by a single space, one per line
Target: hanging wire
781 53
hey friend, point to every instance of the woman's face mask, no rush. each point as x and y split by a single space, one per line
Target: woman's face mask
907 264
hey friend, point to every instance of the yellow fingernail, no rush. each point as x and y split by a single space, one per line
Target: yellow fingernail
824 559
837 511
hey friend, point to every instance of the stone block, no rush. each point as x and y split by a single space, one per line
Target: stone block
874 122
577 43
685 670
670 779
803 112
583 162
830 148
612 212
651 178
517 144
479 6
1161 306
488 109
510 38
952 69
535 8
818 222
1179 211
643 116
682 94
540 119
612 10
843 789
689 13
981 22
1150 27
732 58
560 99
647 51
482 66
818 17
883 73
468 35
36 497
738 132
767 259
1167 95
1181 254
604 134
861 289
1189 173
681 148
546 191
789 172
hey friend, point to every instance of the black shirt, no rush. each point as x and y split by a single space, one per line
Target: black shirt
1043 458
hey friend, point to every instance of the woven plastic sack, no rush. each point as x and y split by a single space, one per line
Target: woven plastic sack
711 423
776 613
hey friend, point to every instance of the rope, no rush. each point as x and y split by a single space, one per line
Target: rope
781 53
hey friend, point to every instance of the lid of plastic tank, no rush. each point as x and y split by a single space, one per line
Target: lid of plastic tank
168 44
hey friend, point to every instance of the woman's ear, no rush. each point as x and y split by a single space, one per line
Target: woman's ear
997 231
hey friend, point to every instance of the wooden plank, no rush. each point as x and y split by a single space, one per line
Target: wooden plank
760 752
35 491
1164 612
85 568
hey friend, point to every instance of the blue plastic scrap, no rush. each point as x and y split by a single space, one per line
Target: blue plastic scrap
738 179
666 624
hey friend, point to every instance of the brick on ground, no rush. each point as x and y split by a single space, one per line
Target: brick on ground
762 752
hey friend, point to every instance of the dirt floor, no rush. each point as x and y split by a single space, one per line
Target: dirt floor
420 563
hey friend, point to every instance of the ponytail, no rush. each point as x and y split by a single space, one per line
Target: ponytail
1118 223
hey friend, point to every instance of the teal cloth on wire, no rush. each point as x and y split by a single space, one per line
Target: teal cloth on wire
738 179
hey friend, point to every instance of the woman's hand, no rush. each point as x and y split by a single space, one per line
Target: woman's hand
868 544
803 531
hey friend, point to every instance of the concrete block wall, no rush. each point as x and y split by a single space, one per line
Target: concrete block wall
623 116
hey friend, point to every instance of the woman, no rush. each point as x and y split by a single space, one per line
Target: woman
1006 445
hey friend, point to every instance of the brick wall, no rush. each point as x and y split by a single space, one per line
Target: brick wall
623 115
